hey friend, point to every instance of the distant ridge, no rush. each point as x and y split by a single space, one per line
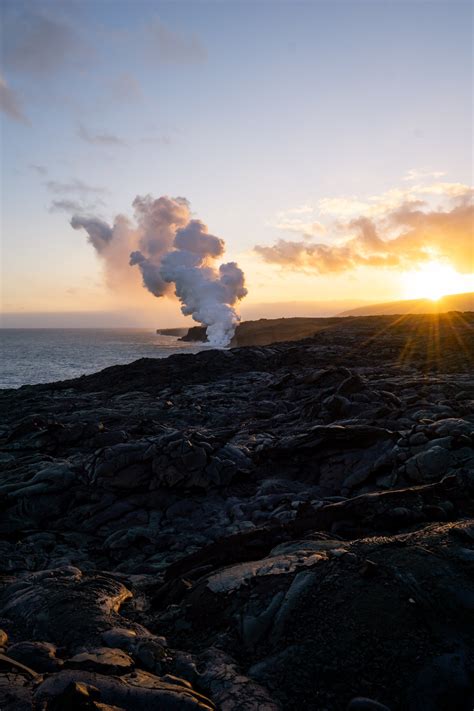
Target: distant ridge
451 302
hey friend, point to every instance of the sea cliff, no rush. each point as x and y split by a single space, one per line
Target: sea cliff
265 331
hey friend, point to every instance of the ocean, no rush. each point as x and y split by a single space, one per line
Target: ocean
43 355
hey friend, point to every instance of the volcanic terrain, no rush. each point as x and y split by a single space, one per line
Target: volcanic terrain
265 528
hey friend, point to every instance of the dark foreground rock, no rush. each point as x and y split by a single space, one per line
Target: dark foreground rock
283 527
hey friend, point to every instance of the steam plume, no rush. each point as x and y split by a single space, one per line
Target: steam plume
98 231
169 249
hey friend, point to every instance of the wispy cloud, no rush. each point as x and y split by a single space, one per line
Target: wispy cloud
164 140
171 46
38 41
10 104
73 186
306 228
40 169
299 219
74 206
415 174
124 87
304 209
101 138
342 206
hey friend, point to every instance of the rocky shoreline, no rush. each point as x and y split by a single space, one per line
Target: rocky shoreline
265 528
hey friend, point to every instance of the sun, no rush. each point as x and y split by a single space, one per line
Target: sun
431 281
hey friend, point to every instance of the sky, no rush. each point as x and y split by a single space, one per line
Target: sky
328 143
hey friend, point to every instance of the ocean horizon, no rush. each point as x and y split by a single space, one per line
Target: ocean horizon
41 355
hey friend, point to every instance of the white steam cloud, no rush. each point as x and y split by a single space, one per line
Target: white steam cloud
170 249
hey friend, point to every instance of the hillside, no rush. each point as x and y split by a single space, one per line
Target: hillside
453 302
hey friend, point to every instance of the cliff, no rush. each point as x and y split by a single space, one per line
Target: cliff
195 333
266 331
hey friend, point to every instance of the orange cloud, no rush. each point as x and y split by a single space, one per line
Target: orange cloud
395 235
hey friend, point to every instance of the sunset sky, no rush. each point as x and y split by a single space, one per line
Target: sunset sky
329 143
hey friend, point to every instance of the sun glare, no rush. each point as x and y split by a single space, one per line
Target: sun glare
431 281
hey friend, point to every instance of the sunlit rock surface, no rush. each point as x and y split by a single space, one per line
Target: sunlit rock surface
279 527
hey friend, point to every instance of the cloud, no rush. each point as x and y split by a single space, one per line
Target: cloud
113 244
196 239
40 169
453 190
99 139
445 234
297 219
164 140
36 41
10 104
73 186
342 206
304 209
125 87
74 206
158 221
378 205
401 235
171 47
308 229
98 232
415 174
173 253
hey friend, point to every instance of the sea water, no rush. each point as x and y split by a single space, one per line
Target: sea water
42 355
